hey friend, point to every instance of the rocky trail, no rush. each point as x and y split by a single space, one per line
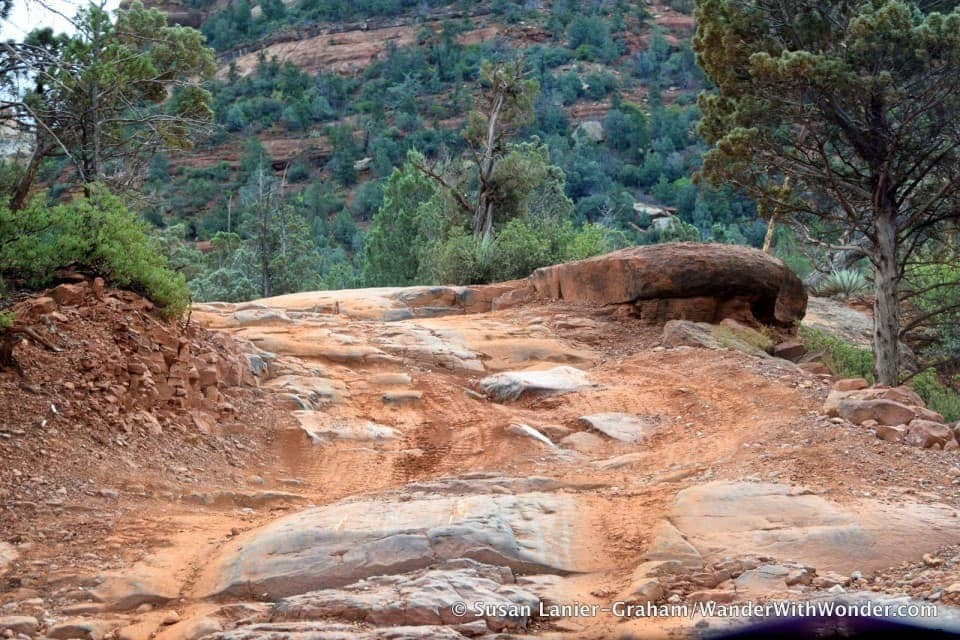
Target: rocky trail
368 460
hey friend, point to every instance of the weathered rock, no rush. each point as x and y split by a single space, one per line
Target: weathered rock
645 590
126 590
311 392
526 431
422 598
341 543
789 349
26 625
764 580
740 518
191 629
850 384
148 422
583 441
70 295
33 308
511 385
79 629
620 461
671 546
684 333
680 270
882 411
891 433
729 334
926 434
659 311
8 554
798 577
254 317
901 395
321 428
622 426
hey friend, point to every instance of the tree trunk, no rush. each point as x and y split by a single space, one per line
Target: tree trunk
483 218
19 198
886 308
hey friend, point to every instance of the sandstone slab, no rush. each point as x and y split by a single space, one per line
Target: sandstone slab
738 518
421 598
321 428
511 385
624 427
336 545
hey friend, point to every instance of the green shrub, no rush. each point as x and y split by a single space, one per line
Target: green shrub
942 399
96 233
843 358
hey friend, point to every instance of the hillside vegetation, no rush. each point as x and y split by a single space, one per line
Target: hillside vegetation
614 111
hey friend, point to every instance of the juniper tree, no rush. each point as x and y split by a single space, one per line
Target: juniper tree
858 104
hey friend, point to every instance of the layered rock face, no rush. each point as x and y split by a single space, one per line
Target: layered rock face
682 281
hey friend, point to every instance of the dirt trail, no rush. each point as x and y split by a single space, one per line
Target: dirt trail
718 415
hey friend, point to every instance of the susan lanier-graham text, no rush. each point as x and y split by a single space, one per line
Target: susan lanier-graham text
705 609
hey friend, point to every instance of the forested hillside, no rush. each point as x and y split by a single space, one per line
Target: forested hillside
324 100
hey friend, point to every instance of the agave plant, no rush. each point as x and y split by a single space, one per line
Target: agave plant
844 283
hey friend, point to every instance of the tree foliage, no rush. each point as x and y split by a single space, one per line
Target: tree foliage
110 95
857 102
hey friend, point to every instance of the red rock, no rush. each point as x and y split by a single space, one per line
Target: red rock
816 368
680 270
928 414
36 307
208 377
70 295
700 309
883 411
890 433
850 384
789 349
98 288
927 434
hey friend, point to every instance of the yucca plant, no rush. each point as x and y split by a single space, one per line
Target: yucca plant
844 283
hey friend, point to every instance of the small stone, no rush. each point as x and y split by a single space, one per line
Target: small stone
649 590
889 433
798 576
953 588
931 560
170 618
836 589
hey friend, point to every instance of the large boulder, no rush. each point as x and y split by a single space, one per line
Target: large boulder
339 544
719 280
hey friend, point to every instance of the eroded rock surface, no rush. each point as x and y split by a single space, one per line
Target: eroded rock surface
339 544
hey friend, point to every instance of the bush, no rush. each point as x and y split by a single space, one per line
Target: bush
96 233
942 399
843 358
